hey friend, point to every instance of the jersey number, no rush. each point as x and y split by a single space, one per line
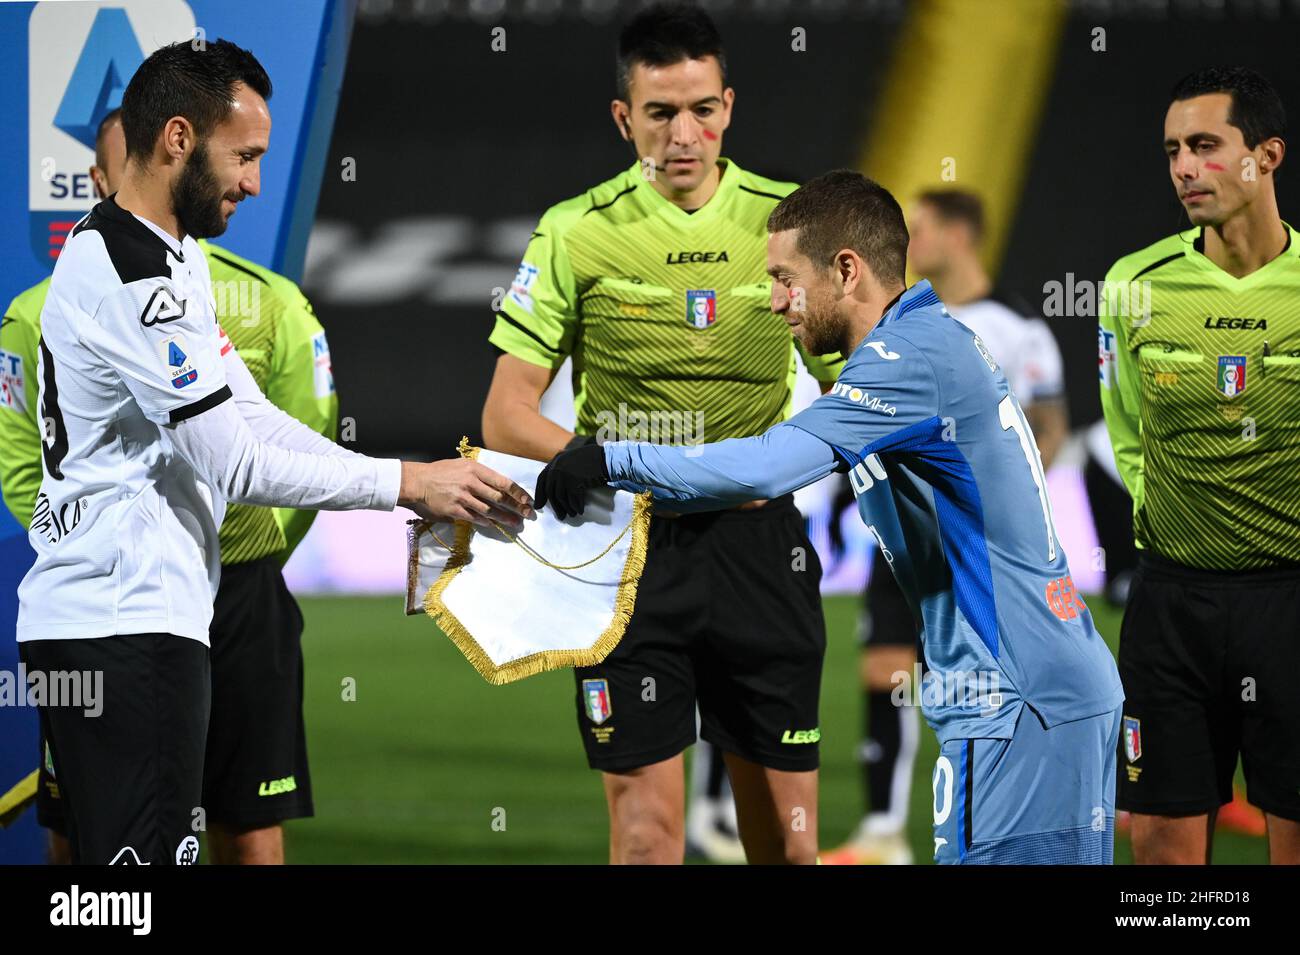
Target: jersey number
54 435
1013 419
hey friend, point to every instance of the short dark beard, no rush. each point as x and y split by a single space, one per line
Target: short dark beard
196 197
822 337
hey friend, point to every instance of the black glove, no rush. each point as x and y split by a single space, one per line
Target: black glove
563 484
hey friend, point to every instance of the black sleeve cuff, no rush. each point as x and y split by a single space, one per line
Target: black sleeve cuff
200 406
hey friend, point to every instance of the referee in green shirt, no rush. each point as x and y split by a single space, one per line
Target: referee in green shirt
255 767
654 283
1200 384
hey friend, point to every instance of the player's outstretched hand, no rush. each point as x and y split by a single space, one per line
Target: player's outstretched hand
459 489
563 484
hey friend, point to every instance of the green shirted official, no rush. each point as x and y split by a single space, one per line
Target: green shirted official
275 331
661 310
1199 365
654 283
287 354
1203 402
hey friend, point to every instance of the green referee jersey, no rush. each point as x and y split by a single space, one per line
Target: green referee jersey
665 313
272 326
1200 384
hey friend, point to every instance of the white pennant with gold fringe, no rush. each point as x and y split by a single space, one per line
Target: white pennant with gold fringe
555 594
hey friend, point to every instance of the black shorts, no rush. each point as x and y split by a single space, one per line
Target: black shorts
129 770
255 771
1209 661
728 616
886 619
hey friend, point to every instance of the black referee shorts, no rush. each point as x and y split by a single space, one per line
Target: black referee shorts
729 616
130 775
886 619
1209 662
255 771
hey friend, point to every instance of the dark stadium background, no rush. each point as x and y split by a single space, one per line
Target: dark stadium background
458 150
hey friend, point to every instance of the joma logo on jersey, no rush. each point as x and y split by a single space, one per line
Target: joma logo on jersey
275 787
681 258
860 397
1246 324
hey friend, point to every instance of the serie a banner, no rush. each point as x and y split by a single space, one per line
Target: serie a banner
63 67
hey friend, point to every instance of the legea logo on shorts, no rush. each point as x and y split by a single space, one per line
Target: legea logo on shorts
81 56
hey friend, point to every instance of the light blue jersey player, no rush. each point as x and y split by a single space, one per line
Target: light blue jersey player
1021 690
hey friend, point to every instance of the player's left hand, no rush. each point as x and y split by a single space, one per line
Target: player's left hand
563 484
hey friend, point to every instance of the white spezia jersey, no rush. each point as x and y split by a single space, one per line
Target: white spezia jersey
125 530
1024 347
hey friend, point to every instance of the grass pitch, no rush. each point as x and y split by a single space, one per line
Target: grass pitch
430 764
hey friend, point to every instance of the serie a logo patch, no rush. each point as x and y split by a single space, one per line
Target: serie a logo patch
174 352
701 307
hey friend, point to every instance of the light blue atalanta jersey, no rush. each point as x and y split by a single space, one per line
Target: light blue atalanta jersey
947 476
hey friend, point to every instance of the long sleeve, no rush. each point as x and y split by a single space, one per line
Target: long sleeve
301 384
708 476
265 420
1120 396
226 454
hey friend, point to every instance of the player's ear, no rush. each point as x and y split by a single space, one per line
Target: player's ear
848 270
100 183
728 101
622 115
177 136
1273 150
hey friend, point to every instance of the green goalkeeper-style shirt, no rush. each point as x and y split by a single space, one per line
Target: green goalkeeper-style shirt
275 331
665 313
1200 385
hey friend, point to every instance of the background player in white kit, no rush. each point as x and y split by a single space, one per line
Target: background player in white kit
946 227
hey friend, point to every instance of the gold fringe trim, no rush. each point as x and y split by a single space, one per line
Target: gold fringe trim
417 526
531 665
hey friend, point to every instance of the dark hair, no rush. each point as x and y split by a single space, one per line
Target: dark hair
957 205
100 130
180 80
1256 109
664 34
843 209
